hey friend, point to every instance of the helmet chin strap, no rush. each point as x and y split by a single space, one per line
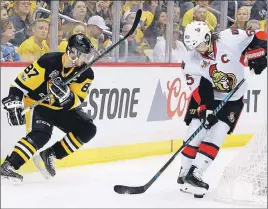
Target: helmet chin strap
73 60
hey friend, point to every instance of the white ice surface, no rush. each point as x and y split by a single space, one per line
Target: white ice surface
92 186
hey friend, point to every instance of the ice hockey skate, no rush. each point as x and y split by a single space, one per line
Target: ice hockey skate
195 184
8 172
181 181
44 161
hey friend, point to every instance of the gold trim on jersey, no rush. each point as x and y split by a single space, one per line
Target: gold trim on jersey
28 102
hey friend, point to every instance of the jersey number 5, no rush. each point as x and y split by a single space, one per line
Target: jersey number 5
189 79
31 71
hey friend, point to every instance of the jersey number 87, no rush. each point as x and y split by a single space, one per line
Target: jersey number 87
31 71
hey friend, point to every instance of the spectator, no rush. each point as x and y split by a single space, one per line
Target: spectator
156 28
132 44
4 15
35 46
211 19
177 18
231 8
73 28
91 7
178 48
258 10
95 28
135 52
79 11
132 6
253 25
21 19
241 18
7 32
106 13
200 13
184 6
148 11
128 18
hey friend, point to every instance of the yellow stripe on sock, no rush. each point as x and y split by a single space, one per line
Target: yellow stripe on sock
65 147
20 153
75 140
28 145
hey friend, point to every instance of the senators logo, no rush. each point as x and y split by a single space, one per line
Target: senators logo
224 82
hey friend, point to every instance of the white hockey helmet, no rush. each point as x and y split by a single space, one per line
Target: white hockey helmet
195 33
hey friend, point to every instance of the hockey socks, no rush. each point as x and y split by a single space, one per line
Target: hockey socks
23 151
66 146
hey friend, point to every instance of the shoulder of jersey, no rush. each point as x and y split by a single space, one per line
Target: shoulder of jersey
50 60
89 73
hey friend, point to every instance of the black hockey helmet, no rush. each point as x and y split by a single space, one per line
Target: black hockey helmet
81 43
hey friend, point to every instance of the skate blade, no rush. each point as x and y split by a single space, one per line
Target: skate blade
39 163
184 188
11 180
197 191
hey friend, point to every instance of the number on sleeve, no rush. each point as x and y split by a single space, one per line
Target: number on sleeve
85 87
31 71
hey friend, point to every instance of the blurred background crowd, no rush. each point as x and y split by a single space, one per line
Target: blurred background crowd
25 29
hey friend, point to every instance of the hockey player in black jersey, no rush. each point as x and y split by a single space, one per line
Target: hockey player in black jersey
48 74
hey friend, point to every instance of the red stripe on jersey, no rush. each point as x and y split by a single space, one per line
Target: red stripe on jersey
196 96
212 68
209 149
243 61
190 151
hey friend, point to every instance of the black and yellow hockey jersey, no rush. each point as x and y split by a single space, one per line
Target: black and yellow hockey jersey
33 83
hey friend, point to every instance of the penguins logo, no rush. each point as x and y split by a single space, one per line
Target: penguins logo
224 82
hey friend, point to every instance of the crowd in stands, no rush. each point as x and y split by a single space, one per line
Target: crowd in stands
26 39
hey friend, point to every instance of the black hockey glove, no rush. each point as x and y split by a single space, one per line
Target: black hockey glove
257 60
207 118
14 107
61 92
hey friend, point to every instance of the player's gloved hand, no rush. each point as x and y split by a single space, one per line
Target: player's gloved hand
61 91
207 118
257 60
14 107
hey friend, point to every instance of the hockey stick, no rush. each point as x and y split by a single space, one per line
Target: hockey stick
132 30
141 189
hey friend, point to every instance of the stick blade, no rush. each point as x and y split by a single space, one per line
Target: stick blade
120 189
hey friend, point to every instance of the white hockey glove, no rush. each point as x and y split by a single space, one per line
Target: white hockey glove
14 107
61 91
207 118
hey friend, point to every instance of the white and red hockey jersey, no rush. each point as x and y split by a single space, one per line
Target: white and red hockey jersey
224 67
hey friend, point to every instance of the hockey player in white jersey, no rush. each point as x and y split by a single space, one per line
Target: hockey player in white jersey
214 65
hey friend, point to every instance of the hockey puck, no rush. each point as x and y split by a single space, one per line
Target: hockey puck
198 195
